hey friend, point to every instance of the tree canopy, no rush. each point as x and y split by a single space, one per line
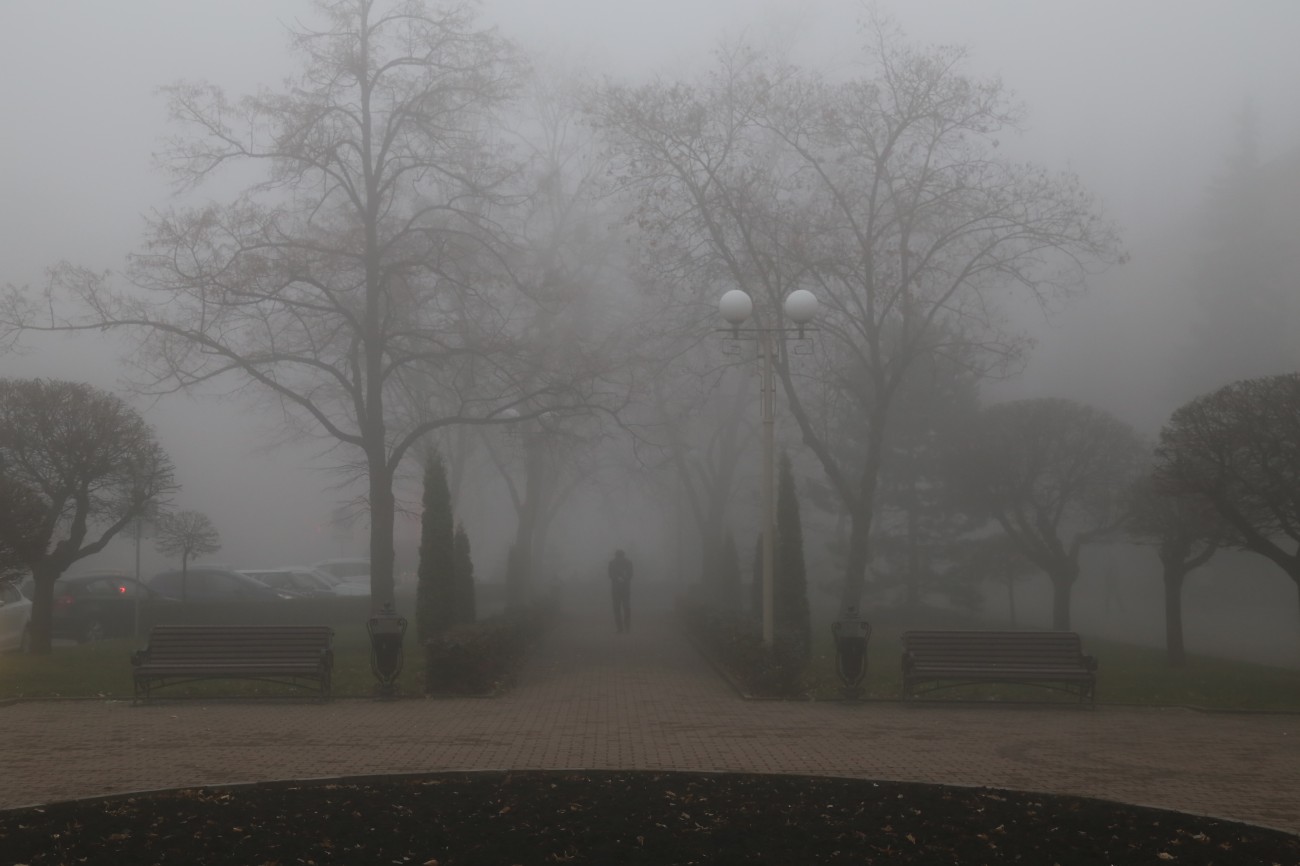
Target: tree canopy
90 461
365 282
1238 449
1054 475
884 194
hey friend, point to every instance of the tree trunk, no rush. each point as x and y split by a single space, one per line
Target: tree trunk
382 522
861 514
1297 588
711 557
1174 649
1063 578
913 602
519 567
43 578
855 569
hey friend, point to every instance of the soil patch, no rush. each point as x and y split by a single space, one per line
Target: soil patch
619 818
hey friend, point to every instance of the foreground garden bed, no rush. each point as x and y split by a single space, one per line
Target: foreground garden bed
622 818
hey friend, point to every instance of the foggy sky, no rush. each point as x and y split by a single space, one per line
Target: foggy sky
1137 98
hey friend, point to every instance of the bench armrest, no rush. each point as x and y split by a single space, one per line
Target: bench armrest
139 657
1090 662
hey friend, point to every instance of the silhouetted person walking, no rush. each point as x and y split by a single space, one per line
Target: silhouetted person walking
620 583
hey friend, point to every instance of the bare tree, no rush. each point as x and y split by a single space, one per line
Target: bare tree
94 465
1237 449
886 195
187 534
363 285
1055 475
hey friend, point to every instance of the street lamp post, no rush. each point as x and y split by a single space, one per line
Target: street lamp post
736 307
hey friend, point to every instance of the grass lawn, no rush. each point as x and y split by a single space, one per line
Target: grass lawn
1127 674
104 670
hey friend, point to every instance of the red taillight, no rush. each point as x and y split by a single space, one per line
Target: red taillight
122 589
64 601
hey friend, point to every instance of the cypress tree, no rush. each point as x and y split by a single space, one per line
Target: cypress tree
435 589
791 590
465 610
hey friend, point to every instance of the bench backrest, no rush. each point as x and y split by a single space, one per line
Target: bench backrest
1047 648
239 642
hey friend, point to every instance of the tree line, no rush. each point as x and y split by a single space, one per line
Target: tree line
443 244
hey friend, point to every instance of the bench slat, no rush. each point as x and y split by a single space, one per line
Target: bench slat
235 652
996 656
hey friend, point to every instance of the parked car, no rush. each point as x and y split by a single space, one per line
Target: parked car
300 581
349 570
15 618
338 585
92 607
205 583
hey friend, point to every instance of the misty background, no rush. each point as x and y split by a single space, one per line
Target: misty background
1143 101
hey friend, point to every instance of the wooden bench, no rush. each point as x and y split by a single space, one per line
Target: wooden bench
293 655
1053 659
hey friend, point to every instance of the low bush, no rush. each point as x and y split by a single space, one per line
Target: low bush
483 657
735 642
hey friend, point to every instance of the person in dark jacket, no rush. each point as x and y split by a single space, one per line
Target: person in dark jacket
620 582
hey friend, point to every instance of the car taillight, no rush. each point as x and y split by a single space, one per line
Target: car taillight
64 601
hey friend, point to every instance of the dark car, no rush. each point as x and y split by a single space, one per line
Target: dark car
91 607
213 584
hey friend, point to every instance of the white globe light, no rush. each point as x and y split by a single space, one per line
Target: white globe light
735 306
801 306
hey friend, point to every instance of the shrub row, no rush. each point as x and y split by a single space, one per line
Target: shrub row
735 642
483 657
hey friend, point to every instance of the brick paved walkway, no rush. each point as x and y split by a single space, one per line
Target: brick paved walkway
594 699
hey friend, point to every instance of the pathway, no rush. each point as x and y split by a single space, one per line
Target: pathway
594 699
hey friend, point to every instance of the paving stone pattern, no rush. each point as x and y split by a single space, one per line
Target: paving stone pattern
590 698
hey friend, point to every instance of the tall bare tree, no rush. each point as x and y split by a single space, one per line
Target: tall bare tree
885 194
187 534
93 463
362 284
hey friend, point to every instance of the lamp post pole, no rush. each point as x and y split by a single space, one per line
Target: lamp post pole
800 307
768 401
139 528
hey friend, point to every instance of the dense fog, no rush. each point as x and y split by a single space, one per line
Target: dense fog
1161 110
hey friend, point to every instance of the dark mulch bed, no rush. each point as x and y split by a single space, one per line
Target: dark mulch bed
621 818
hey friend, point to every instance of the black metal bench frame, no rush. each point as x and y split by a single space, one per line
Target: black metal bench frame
1050 659
299 656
